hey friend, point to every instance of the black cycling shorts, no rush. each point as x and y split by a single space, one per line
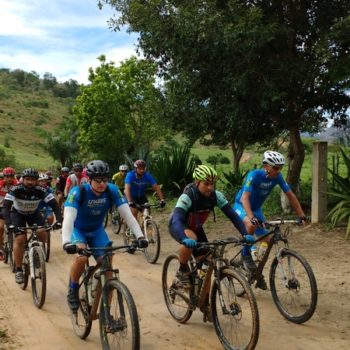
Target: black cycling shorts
21 220
140 200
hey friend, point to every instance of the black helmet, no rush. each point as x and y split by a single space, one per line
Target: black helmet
77 166
30 172
97 168
65 170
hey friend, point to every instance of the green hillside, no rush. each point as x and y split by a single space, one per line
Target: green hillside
24 111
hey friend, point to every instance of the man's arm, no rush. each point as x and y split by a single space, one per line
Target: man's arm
293 200
7 204
127 192
159 192
234 218
70 214
245 200
130 220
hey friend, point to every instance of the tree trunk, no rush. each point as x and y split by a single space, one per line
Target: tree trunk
237 151
296 155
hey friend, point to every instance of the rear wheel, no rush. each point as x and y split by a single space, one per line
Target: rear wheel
236 319
81 320
177 298
38 278
293 286
153 236
119 324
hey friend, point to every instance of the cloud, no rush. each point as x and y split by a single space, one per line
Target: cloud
62 37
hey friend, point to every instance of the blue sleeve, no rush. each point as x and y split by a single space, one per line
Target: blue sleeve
128 178
235 219
73 198
284 186
177 223
118 198
248 184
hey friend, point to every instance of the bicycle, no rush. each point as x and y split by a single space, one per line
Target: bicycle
118 319
33 264
292 281
47 242
236 319
8 248
150 231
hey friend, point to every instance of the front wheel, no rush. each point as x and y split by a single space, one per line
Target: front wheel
236 319
119 324
177 299
38 278
8 245
116 220
47 245
153 236
293 286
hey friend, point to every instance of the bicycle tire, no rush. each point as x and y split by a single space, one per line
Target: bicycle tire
7 247
38 278
47 246
295 307
116 221
81 320
26 273
105 221
10 254
124 330
127 237
153 236
242 314
176 298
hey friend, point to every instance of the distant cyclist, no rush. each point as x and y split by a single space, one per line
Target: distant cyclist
21 207
5 185
136 183
61 184
191 212
76 178
256 188
84 212
119 177
44 208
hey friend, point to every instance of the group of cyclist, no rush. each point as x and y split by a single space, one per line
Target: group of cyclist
88 194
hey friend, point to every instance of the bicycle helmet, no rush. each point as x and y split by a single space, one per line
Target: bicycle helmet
273 158
9 171
205 173
30 172
140 163
77 166
97 168
65 170
123 167
43 176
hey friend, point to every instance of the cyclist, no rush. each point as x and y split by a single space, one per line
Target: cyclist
24 199
61 184
191 212
44 208
5 186
256 188
119 177
75 179
84 212
136 183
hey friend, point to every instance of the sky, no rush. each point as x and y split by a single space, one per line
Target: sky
62 37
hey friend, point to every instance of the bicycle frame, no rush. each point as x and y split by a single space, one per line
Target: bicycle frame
145 210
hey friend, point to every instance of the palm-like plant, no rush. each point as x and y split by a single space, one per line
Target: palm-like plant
341 211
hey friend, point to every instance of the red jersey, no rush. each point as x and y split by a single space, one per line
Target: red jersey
5 188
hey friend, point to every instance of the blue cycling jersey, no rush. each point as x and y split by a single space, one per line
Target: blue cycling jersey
91 213
260 187
138 186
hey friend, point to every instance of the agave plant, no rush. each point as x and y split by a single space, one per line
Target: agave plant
341 211
233 181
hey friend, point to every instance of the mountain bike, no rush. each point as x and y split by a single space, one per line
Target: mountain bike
292 281
8 247
150 230
118 319
236 319
47 242
33 264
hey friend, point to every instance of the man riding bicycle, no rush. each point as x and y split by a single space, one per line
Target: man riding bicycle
136 183
119 177
61 184
191 212
256 188
21 207
75 179
84 213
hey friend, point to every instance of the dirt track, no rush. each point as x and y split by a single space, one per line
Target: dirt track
50 328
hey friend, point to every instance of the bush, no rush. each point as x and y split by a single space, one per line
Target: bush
37 103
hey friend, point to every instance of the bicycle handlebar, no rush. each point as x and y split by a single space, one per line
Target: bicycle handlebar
146 206
218 242
89 251
34 228
282 221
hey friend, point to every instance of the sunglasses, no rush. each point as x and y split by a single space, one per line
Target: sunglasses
100 180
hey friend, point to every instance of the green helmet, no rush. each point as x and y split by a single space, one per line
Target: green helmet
204 173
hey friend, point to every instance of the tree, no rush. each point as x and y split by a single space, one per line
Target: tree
244 71
49 81
120 111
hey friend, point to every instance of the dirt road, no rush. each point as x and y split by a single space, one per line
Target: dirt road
50 328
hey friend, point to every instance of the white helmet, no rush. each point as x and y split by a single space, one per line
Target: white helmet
123 167
43 176
273 158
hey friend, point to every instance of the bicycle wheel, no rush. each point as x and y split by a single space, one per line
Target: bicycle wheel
38 278
153 249
120 329
47 246
236 320
177 298
116 220
8 250
81 320
26 272
105 222
293 286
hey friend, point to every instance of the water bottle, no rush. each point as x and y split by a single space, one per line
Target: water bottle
262 250
254 252
203 270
